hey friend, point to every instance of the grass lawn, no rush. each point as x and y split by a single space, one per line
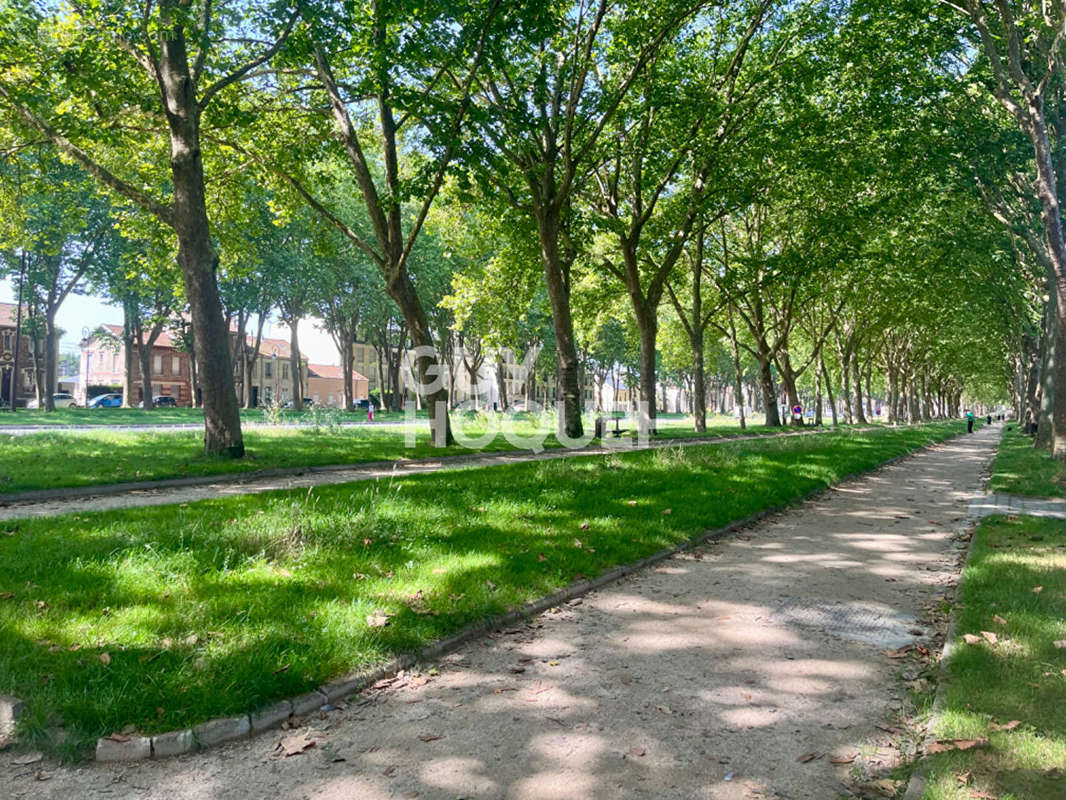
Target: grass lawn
1022 469
50 460
1022 677
222 606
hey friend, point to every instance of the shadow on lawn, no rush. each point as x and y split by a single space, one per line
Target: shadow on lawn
224 606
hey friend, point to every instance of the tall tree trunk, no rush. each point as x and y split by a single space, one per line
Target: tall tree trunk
144 352
769 392
1049 342
295 365
196 256
699 382
828 389
648 325
556 277
856 375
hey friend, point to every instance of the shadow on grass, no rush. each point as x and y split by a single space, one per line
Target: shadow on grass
222 606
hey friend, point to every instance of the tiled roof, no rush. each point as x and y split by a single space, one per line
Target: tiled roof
9 314
331 371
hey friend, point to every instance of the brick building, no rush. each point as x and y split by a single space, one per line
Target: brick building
103 363
325 385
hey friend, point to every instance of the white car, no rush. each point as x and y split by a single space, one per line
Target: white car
61 400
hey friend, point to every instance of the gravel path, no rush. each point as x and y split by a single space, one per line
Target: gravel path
189 490
706 677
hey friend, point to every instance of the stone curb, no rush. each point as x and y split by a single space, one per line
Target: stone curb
444 462
916 784
226 729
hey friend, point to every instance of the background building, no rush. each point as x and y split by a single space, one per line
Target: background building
25 384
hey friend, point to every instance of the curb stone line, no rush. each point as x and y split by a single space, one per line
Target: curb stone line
916 784
187 740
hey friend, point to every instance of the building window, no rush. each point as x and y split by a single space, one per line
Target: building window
7 340
157 365
27 379
114 362
175 366
284 372
268 369
88 362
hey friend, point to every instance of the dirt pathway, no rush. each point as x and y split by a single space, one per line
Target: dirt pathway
188 490
706 677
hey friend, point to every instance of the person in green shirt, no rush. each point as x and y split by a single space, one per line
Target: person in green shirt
969 421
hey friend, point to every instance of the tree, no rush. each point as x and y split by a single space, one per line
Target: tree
107 82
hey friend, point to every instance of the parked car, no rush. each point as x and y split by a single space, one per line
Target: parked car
164 400
308 403
60 399
112 400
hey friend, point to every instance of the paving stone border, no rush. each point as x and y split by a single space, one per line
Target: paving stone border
226 729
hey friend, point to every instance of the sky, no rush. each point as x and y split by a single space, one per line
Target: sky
79 312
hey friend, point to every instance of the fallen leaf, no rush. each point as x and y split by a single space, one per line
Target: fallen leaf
631 502
664 709
946 745
491 585
1006 726
667 511
900 653
389 771
842 759
284 573
31 757
41 775
428 737
807 757
378 619
1037 589
990 637
553 663
541 557
635 752
998 619
41 605
584 526
294 745
577 544
105 659
971 638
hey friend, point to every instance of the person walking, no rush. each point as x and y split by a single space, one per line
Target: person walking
988 419
969 421
370 411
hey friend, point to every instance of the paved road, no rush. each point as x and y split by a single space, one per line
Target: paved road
706 677
999 503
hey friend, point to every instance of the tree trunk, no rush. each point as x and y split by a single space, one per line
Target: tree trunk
128 358
144 352
828 389
50 366
501 379
699 382
1045 428
294 365
649 327
769 392
856 375
557 280
196 256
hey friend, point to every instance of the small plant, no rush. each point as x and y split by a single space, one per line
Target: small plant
272 413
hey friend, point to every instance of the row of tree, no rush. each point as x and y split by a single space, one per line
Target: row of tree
829 199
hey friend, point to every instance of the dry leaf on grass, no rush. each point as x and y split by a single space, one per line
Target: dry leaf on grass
1037 589
1006 726
884 787
378 619
971 638
807 757
998 619
946 745
105 659
990 637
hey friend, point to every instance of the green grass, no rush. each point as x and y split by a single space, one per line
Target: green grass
1022 469
50 460
1021 677
221 606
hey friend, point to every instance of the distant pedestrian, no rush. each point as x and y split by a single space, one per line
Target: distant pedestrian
969 421
988 419
370 412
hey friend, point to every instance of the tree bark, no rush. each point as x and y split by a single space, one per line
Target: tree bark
196 256
295 365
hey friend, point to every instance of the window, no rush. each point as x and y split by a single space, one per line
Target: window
268 369
175 366
7 340
114 362
88 362
284 372
157 365
27 379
